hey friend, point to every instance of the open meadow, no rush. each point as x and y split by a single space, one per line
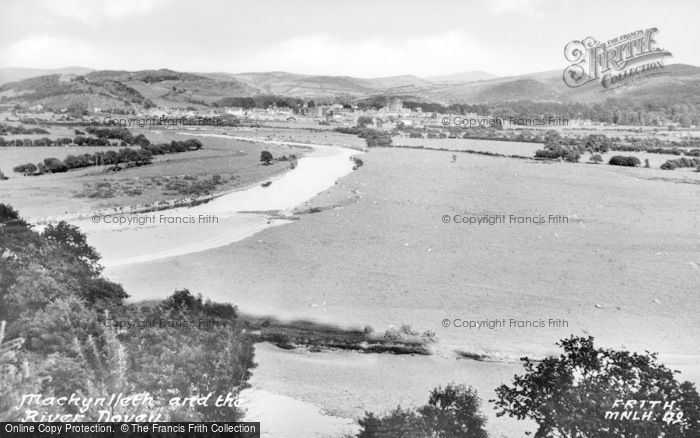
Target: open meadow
524 149
171 176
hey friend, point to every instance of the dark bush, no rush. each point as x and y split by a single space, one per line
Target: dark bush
54 165
619 160
266 157
680 162
453 411
26 169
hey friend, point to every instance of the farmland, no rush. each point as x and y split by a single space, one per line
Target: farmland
236 162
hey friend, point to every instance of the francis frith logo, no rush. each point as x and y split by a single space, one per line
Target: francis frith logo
615 62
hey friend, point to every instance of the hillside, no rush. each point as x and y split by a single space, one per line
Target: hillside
124 90
467 76
677 82
57 92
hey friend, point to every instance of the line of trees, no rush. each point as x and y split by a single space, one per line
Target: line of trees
262 101
681 162
20 130
128 156
651 112
555 147
100 137
373 137
591 142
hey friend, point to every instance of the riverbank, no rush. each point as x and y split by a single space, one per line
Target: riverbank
129 238
223 166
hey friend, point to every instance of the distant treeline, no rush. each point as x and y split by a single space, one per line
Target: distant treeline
127 156
656 112
20 130
681 162
263 101
101 137
594 142
373 137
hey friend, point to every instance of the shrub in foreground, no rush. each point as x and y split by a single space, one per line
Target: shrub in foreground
453 411
61 322
573 395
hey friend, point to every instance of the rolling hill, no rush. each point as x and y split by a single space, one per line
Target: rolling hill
467 76
122 90
678 82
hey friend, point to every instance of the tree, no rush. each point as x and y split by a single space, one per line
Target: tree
569 395
596 158
572 156
15 379
53 165
266 157
619 160
363 121
71 241
127 155
552 137
452 412
143 157
50 294
598 143
399 423
141 140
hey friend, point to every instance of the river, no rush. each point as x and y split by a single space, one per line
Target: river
124 239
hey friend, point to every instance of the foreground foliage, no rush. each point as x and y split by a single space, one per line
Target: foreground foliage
452 411
569 395
72 332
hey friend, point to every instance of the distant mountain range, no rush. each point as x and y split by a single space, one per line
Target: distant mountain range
118 89
17 74
468 76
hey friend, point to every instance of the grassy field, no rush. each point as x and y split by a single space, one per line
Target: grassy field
323 137
454 144
237 162
523 149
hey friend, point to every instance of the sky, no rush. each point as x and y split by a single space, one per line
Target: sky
354 37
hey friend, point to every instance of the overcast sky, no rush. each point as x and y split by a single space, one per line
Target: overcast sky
353 37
